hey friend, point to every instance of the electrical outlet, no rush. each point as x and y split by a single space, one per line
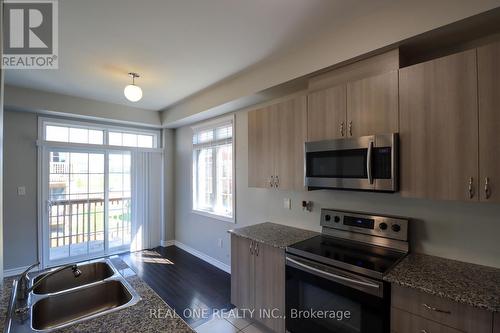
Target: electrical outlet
21 190
287 203
220 242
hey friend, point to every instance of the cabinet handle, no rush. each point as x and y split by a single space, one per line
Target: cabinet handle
431 308
423 331
350 128
342 128
256 249
251 248
271 181
487 191
471 190
277 182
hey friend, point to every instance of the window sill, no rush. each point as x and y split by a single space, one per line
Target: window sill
214 216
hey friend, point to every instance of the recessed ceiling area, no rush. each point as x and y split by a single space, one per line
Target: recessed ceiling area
178 47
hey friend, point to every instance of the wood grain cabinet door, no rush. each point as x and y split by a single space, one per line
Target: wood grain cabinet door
489 122
439 128
289 127
261 146
270 287
326 114
372 105
242 273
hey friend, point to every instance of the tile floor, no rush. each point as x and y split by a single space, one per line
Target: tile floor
230 325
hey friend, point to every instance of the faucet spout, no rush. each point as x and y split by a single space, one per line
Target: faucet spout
74 268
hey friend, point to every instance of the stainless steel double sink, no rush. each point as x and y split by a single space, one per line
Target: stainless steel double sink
62 299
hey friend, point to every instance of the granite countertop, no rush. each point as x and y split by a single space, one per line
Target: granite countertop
273 234
137 318
466 283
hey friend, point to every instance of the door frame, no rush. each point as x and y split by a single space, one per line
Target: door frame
42 198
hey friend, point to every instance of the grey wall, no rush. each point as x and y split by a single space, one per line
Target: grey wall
169 184
20 169
18 98
457 230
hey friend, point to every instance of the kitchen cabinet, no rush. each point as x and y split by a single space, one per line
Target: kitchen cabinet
496 322
327 114
415 311
372 105
439 128
362 107
242 272
260 147
488 61
260 270
276 136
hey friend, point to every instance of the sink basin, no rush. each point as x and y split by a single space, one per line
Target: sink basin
64 280
57 310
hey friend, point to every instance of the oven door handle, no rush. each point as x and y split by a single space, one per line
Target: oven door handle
333 276
369 162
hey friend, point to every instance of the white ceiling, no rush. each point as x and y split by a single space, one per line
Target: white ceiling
178 46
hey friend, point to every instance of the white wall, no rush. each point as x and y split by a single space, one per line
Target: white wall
457 230
337 43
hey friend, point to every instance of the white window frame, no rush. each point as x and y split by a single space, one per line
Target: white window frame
46 121
42 172
200 127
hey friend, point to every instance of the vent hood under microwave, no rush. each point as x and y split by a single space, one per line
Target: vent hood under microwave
368 163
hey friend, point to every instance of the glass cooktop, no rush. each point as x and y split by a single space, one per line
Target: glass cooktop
334 250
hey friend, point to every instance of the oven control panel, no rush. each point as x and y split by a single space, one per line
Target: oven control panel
383 226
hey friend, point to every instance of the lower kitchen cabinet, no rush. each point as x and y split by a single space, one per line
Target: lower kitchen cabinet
258 281
414 311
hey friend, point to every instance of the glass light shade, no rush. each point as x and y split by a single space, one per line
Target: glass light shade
133 93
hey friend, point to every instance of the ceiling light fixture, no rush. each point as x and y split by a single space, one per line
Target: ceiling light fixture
132 92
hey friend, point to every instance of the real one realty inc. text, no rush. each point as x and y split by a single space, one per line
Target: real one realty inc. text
162 313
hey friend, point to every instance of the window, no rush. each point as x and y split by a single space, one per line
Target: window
88 205
213 167
82 134
74 134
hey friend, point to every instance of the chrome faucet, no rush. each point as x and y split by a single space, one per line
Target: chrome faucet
23 290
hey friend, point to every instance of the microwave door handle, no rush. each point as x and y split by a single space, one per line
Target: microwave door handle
333 276
369 162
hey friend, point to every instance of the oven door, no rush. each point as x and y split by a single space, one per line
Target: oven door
321 298
364 163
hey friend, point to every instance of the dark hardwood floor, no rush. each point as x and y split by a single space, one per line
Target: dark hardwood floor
183 281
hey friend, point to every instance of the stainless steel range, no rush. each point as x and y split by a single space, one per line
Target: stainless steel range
334 280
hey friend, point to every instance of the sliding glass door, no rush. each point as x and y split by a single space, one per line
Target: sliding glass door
88 196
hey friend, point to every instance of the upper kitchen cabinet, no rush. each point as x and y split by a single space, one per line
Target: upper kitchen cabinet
355 100
327 113
372 105
439 128
290 128
489 121
260 147
276 136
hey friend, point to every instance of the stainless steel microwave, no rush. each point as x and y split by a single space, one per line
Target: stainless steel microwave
367 163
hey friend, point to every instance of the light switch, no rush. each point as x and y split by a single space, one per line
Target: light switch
21 190
287 203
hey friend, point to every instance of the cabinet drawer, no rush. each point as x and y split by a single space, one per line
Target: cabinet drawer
404 322
459 316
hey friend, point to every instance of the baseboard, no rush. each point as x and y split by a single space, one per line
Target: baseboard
166 243
204 257
16 271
